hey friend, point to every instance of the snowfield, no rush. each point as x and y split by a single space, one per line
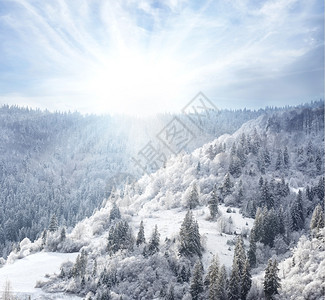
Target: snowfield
24 273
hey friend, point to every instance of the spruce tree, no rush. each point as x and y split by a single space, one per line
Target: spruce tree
190 239
278 164
193 199
212 277
114 213
297 214
214 203
286 157
252 249
246 280
221 288
317 219
63 234
271 279
53 223
196 286
140 237
234 282
153 246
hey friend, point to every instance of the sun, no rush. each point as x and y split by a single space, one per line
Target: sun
136 83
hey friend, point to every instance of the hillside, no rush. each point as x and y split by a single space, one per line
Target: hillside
271 169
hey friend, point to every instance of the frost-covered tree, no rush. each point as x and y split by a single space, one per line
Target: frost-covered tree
271 279
196 285
115 213
193 198
63 234
286 157
251 255
317 219
53 223
246 280
153 246
297 213
221 286
211 278
120 237
214 203
190 239
140 237
234 282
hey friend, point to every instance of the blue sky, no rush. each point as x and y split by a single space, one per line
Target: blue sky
147 56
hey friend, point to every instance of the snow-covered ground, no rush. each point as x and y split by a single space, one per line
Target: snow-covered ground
169 223
24 273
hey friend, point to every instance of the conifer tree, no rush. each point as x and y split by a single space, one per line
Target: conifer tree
63 234
271 279
140 237
190 239
221 288
297 214
252 249
153 246
234 282
317 219
196 286
114 213
214 203
53 223
193 199
278 164
212 277
286 157
246 280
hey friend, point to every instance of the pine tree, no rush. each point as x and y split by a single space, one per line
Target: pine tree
234 282
317 219
212 277
53 223
221 288
63 234
190 239
278 164
239 254
196 286
153 246
286 157
246 280
252 249
214 203
114 213
297 214
271 279
140 237
193 199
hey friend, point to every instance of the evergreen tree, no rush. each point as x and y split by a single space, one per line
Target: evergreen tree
140 237
239 254
278 164
221 288
193 199
120 237
190 239
53 223
63 234
196 286
246 280
214 203
212 277
286 157
226 188
252 249
297 214
153 246
115 213
234 282
271 279
317 219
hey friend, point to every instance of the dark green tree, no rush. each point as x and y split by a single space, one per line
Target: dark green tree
140 237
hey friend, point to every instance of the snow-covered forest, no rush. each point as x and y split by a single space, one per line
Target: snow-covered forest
239 214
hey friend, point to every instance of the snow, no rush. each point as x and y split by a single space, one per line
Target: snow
169 223
24 273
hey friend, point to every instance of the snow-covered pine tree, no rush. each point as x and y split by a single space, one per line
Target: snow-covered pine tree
196 286
212 277
271 279
115 213
297 213
214 203
317 219
252 249
246 280
221 287
193 198
239 254
63 234
140 237
53 223
234 282
190 239
153 246
286 157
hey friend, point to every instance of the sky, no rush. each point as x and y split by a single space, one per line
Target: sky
141 57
